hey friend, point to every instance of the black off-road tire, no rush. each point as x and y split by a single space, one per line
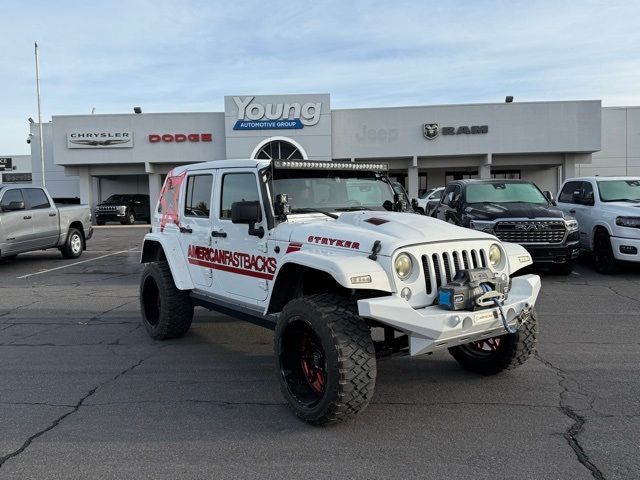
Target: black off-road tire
511 352
166 311
349 359
73 245
603 259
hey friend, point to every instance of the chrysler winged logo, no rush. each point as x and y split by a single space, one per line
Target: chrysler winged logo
101 143
430 130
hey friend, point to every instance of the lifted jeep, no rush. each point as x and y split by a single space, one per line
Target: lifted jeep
322 253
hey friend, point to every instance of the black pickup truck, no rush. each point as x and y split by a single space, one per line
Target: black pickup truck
514 211
123 208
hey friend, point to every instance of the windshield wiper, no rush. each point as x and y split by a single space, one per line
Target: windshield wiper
351 209
314 210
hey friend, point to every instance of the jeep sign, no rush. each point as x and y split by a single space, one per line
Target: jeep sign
276 116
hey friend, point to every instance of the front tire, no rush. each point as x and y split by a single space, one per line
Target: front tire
506 352
131 218
166 311
325 359
74 245
604 260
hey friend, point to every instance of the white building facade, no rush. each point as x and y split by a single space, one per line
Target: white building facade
94 156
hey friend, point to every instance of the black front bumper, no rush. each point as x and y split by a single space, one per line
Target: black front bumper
554 254
110 216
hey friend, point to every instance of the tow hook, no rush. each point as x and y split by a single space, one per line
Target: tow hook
519 318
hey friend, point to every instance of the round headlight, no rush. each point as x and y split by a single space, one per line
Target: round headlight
495 255
403 265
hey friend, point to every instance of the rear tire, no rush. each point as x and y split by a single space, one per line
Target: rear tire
166 311
9 257
100 222
74 245
325 358
130 220
506 352
604 260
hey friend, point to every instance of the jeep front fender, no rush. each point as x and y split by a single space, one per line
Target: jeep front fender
343 268
156 247
517 256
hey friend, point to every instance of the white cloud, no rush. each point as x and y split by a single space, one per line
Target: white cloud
180 56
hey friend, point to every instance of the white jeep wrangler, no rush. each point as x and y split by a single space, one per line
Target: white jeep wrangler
320 252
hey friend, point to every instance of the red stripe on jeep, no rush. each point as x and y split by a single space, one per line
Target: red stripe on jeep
227 268
293 247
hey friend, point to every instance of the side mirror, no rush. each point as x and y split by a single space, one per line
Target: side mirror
13 206
549 196
249 213
282 208
399 202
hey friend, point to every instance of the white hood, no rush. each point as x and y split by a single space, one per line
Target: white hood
392 229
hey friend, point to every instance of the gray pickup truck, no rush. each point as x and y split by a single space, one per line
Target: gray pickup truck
29 220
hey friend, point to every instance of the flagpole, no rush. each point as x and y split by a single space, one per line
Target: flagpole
39 114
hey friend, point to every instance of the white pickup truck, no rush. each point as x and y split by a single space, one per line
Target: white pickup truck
608 214
322 253
30 220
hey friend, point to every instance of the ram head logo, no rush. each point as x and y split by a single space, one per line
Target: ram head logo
430 130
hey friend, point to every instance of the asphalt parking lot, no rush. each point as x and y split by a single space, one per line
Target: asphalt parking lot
86 394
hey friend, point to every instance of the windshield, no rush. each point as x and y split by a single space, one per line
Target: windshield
504 193
619 190
427 193
333 190
120 199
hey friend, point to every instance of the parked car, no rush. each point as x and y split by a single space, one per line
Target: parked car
123 208
29 220
608 211
322 253
514 211
428 201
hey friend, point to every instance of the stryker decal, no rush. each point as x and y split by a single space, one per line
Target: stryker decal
334 242
235 262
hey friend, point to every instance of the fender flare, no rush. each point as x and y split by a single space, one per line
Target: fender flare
340 267
167 247
592 234
516 256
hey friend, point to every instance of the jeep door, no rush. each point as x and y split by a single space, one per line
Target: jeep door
16 226
195 225
244 268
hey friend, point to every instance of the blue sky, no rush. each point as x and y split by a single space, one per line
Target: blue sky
186 56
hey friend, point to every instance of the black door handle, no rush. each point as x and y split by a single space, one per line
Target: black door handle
219 234
27 217
52 214
572 211
186 230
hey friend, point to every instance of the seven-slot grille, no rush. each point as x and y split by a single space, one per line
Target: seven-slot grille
107 208
537 231
440 268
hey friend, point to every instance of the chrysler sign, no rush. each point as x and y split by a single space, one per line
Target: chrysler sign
275 116
98 139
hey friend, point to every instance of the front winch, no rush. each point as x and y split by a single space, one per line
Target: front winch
473 289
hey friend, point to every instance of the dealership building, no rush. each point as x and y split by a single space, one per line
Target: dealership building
94 156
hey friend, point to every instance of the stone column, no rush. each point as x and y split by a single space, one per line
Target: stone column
485 167
413 179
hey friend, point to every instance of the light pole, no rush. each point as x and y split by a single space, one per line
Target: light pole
39 114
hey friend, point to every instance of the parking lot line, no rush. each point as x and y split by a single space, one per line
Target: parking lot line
77 263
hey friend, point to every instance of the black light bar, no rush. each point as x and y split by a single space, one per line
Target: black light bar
330 165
